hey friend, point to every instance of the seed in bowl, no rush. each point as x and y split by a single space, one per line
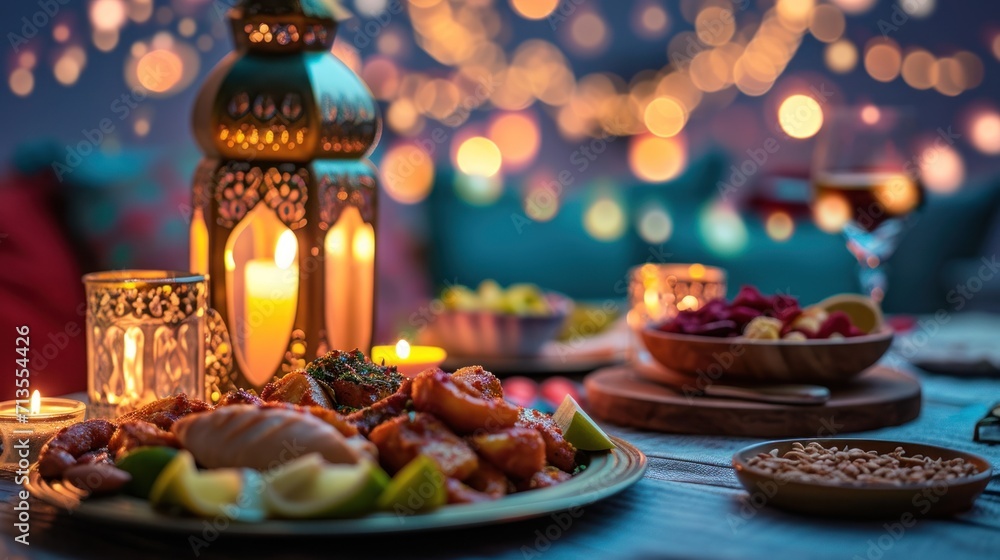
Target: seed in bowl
814 463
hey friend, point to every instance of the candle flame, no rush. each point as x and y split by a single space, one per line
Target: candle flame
285 249
36 403
403 349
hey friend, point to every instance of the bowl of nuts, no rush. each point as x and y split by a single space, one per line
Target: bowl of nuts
771 339
862 477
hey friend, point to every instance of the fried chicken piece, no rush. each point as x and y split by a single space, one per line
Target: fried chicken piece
549 476
478 382
518 452
459 493
489 480
435 392
355 380
164 412
297 388
401 439
367 418
136 433
239 396
96 457
72 442
558 451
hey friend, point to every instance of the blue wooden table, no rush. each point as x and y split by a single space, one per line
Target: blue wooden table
689 505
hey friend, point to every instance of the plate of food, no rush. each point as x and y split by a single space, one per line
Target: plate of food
862 477
758 338
344 446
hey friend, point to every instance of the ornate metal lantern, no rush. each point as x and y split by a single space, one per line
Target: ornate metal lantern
285 199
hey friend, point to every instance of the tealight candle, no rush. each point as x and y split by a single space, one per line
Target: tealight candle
409 360
25 429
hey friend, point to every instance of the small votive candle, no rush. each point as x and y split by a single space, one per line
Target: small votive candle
409 360
25 429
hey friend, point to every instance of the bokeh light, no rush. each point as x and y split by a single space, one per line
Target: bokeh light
534 9
159 70
604 220
655 225
407 173
69 65
950 76
941 168
779 226
650 19
795 14
517 137
800 116
21 82
984 133
106 40
541 202
831 213
841 56
108 15
140 11
654 159
478 190
27 59
715 25
826 23
664 116
589 32
722 229
870 114
855 6
60 33
141 126
918 8
478 156
883 61
919 69
402 117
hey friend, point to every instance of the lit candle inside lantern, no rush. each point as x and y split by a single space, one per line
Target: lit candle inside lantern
409 360
25 429
350 273
271 287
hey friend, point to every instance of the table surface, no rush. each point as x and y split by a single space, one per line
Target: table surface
689 504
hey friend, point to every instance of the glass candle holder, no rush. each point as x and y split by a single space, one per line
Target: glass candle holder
24 430
145 338
657 292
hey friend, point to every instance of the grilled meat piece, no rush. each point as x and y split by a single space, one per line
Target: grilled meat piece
355 380
478 382
136 433
549 476
435 392
401 439
518 452
164 412
297 388
240 396
489 480
72 442
330 416
558 451
459 493
366 419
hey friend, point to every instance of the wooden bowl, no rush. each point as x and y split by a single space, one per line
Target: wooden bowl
871 500
745 360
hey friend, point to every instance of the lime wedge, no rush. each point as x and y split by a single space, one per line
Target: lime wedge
579 428
419 486
145 464
332 491
232 493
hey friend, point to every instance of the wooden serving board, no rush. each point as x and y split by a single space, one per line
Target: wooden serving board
880 397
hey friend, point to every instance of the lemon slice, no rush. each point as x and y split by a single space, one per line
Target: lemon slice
231 493
145 464
332 491
579 428
864 313
419 486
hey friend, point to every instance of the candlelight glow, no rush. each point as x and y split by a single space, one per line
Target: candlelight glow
403 349
36 403
285 249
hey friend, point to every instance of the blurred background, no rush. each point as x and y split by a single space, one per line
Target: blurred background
555 142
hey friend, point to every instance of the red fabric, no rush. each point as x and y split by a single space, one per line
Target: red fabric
40 287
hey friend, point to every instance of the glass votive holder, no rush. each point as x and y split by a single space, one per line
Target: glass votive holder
145 338
25 429
657 292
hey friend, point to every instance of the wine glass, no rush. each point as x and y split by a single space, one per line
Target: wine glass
866 185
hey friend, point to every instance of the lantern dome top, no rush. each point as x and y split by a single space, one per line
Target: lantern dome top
286 25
